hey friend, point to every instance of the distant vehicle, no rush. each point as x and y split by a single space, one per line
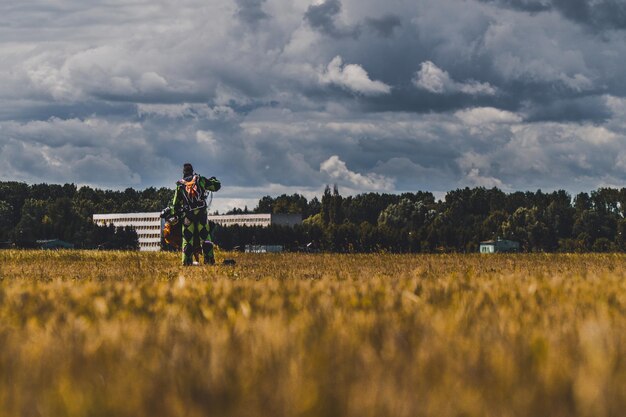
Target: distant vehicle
264 248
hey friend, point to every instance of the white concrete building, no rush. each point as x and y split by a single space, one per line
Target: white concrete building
263 220
149 227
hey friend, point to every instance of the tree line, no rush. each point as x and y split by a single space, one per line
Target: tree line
370 222
417 222
50 211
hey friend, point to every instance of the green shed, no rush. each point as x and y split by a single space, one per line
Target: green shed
54 244
499 246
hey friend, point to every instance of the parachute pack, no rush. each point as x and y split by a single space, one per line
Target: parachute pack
193 194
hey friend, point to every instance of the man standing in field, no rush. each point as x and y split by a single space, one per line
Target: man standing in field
190 199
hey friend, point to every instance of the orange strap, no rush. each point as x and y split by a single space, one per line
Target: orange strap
190 186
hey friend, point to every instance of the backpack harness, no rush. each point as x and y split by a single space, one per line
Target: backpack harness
194 196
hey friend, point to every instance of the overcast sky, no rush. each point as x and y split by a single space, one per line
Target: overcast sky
276 96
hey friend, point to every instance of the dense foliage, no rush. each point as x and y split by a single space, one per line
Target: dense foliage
49 211
409 222
416 222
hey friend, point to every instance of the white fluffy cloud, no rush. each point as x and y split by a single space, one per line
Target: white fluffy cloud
435 80
478 116
475 179
337 171
353 78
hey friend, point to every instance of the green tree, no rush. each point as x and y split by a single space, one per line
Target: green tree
34 223
526 227
492 225
336 210
326 205
406 214
6 212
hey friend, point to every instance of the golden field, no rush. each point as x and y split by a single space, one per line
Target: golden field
135 334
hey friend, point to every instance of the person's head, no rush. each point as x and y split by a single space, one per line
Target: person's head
187 170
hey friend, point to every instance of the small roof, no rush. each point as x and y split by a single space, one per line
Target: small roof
493 242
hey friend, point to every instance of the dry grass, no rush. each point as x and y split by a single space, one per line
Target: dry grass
129 334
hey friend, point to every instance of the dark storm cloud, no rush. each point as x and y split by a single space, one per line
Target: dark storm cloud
384 25
251 11
426 102
606 14
594 109
323 17
525 5
599 14
43 110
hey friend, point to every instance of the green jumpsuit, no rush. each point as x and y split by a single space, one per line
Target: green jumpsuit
196 232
